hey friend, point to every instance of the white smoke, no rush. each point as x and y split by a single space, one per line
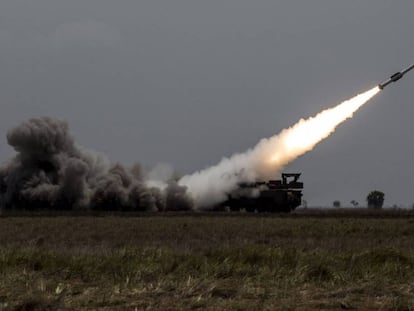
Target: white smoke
211 185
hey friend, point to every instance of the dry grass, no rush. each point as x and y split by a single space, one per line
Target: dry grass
209 262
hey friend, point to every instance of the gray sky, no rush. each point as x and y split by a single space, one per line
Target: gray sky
188 82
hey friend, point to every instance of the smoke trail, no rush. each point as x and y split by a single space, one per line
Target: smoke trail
211 185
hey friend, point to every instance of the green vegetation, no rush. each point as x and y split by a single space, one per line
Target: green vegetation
336 204
375 199
210 262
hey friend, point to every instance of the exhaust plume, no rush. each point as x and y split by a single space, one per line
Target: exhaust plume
211 185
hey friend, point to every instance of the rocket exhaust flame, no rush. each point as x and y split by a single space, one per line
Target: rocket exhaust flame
305 134
211 185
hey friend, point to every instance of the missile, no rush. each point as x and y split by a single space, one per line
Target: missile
395 77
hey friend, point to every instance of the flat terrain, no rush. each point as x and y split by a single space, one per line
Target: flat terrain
236 262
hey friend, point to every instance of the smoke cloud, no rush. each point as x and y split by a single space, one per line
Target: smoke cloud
51 171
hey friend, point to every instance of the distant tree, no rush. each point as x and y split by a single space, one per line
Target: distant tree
336 204
354 203
375 199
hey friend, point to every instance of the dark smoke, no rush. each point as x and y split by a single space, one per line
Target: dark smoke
50 171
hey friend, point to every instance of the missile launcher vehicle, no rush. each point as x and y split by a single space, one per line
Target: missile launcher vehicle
273 196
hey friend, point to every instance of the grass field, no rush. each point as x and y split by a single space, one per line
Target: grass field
189 262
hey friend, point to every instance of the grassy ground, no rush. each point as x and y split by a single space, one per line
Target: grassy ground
209 262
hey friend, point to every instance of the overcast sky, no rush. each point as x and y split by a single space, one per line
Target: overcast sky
188 82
